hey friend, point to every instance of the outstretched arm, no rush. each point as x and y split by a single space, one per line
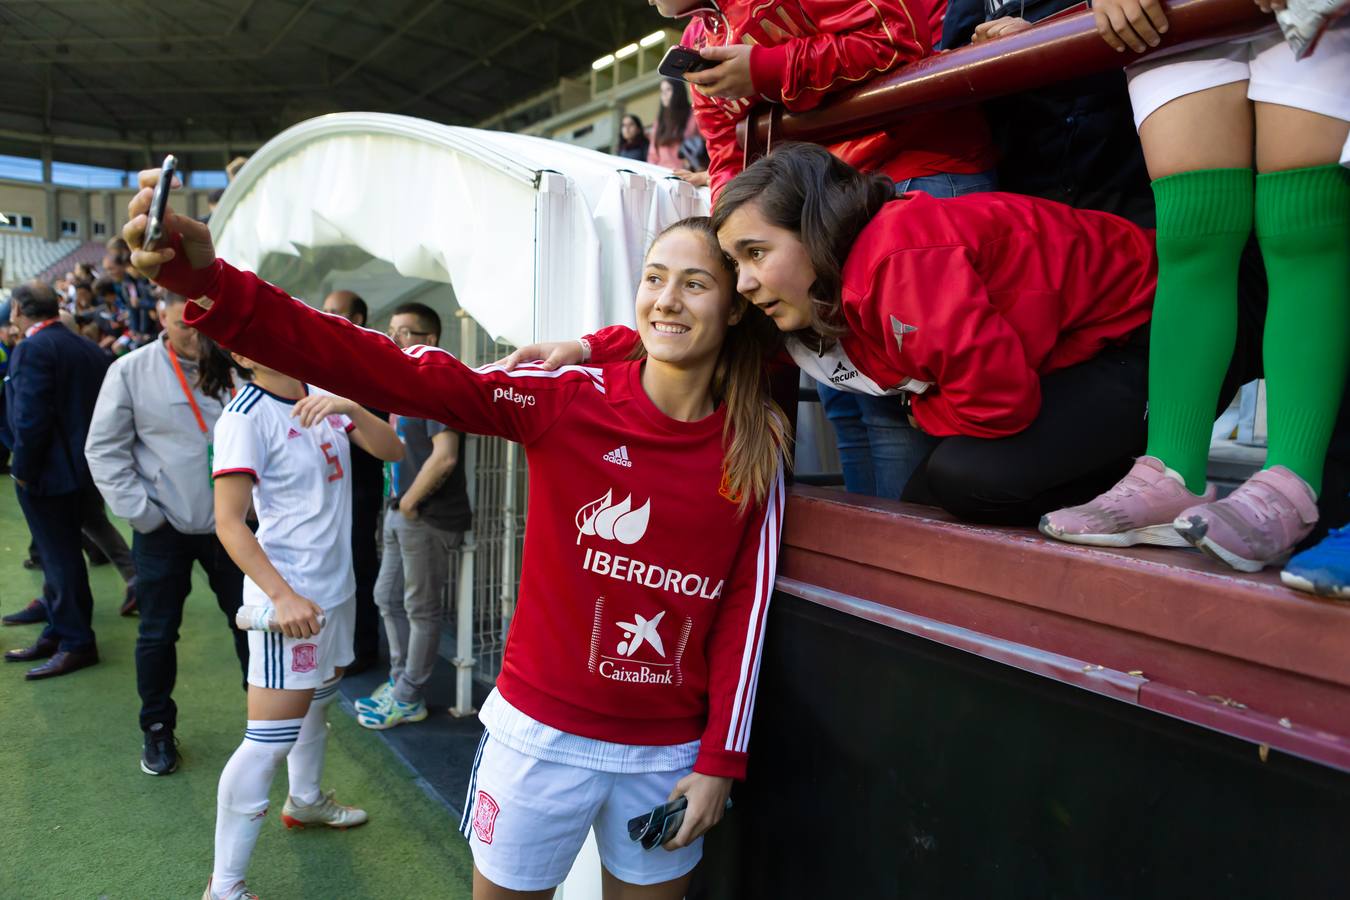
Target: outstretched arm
261 321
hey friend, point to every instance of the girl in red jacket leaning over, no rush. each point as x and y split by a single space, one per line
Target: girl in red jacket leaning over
797 54
1012 328
656 495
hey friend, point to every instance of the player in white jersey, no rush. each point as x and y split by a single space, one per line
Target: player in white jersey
284 448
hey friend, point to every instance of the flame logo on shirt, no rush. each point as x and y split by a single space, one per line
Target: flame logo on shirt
612 521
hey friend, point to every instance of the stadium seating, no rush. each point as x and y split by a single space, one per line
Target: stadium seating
22 257
90 252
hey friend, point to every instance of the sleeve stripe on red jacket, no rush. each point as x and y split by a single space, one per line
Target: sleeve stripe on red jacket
533 370
766 566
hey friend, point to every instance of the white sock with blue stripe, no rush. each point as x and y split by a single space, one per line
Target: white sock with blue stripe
241 800
304 764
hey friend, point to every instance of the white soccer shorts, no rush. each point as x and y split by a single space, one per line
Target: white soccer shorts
1316 84
527 819
297 664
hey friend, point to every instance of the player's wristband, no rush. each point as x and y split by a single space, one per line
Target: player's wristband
585 349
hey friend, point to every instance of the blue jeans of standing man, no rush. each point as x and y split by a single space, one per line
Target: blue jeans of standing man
878 448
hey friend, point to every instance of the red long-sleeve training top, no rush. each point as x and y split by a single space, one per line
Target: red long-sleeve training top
644 592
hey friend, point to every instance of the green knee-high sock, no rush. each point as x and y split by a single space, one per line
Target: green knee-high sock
1303 225
1204 220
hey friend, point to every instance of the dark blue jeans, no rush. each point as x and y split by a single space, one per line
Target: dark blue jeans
878 448
55 525
164 560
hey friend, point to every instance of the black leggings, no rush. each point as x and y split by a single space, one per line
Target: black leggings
1091 426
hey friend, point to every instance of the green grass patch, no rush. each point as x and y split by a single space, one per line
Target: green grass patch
78 818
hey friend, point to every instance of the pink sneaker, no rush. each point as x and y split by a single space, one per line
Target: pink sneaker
1256 525
1138 510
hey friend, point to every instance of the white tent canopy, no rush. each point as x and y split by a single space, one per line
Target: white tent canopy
535 239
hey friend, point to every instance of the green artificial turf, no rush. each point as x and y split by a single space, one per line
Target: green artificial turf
78 818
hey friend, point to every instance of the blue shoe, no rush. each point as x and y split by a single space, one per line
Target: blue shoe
378 701
397 713
1324 569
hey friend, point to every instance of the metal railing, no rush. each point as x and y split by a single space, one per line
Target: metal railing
1051 51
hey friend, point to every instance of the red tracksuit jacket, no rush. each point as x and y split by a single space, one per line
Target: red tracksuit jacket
806 49
644 592
965 303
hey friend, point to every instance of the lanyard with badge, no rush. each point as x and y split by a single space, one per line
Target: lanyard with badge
196 410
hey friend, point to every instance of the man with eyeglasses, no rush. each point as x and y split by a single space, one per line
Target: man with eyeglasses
367 489
427 515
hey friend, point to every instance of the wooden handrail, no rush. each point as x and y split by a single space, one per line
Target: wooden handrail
1049 52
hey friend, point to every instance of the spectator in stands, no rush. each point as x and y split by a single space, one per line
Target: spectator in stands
1200 114
112 323
633 141
762 56
84 298
53 379
1073 142
1012 329
84 272
133 292
674 125
424 523
367 499
149 449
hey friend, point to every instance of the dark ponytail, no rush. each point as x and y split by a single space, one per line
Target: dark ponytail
805 189
215 369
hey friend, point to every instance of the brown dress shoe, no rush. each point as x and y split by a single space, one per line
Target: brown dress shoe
63 663
44 648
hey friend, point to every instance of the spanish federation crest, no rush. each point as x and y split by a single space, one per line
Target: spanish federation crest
900 329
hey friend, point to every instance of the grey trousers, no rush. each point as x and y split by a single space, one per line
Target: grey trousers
411 595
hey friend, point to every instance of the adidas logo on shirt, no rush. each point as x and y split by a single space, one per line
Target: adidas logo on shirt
619 456
292 434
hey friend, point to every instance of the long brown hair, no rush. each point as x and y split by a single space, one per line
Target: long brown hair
805 189
755 437
673 119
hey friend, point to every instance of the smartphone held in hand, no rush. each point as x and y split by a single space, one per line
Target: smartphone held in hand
159 203
679 60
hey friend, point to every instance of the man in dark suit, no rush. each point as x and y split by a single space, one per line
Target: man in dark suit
52 384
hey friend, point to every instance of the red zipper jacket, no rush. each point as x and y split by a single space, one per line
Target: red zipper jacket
806 49
965 302
644 592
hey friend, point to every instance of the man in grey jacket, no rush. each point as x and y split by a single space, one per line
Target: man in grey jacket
149 450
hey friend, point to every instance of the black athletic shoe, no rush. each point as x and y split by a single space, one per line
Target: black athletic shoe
160 756
31 614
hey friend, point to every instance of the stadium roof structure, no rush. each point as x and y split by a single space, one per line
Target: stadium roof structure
535 239
120 82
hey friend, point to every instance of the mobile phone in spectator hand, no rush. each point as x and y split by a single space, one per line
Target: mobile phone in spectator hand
679 60
159 203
